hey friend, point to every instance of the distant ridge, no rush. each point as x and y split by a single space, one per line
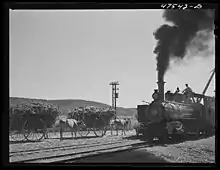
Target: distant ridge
66 104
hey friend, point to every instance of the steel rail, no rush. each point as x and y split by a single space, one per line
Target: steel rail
104 153
116 138
73 155
62 148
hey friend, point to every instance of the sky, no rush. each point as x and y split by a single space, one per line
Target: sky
76 54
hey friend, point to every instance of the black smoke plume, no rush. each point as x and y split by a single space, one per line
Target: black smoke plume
174 39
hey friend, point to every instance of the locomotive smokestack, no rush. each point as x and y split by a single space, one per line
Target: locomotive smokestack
160 86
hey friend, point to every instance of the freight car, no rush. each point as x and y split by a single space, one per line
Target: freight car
173 117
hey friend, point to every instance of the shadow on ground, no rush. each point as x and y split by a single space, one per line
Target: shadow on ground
74 138
168 141
16 142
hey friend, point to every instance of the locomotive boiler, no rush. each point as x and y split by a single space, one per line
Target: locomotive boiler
170 115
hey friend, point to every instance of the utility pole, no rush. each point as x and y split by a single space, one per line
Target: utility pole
114 93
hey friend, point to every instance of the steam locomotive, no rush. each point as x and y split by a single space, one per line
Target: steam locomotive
173 117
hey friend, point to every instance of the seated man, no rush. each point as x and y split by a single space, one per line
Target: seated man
177 90
177 96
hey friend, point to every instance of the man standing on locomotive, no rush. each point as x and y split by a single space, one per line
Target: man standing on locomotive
188 93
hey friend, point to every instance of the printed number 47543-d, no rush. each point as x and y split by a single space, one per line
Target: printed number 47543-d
181 6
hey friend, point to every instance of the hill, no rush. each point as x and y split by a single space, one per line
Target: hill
64 105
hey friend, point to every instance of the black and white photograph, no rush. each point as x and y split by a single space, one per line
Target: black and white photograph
112 85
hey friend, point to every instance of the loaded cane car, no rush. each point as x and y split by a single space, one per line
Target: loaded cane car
29 121
95 119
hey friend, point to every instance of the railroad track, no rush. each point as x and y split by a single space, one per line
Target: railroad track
60 148
74 154
31 151
106 152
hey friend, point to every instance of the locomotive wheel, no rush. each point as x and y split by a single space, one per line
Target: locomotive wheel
137 132
207 130
163 138
178 137
150 138
207 133
83 131
99 127
33 134
159 130
198 132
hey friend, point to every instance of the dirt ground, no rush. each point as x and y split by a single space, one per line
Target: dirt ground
192 151
199 151
54 141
